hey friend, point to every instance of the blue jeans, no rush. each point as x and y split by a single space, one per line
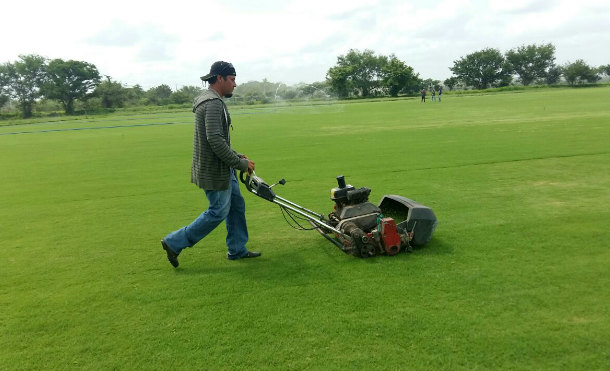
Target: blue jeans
227 205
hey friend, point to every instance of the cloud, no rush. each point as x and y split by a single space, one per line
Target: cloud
117 33
146 42
521 6
294 40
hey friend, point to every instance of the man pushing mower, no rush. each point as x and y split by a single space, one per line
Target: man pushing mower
213 170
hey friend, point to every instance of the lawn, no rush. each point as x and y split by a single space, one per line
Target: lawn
516 277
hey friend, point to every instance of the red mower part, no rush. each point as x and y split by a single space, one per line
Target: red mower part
389 236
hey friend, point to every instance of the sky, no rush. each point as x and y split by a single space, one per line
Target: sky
292 41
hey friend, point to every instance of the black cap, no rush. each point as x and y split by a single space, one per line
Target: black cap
220 68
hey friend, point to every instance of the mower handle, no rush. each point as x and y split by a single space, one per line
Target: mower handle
258 186
245 180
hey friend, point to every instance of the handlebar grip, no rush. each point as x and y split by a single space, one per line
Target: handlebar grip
245 180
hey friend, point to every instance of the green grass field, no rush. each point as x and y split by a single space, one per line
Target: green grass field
516 277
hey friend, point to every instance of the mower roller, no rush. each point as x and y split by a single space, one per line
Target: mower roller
357 226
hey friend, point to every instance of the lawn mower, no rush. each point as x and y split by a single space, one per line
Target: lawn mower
357 226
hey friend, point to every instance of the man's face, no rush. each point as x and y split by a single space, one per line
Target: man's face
227 84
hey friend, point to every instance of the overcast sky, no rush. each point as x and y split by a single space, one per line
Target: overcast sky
175 42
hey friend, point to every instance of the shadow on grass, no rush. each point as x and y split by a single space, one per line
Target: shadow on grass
435 247
313 262
271 265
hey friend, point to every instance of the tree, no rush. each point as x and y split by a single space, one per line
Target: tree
397 76
430 84
257 91
268 90
250 91
338 79
579 72
4 81
357 71
111 93
25 78
185 94
318 89
553 75
159 95
289 92
135 95
482 69
531 62
604 70
69 80
451 82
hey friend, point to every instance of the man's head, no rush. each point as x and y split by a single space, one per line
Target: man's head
221 78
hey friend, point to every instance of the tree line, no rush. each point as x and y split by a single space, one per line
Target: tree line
34 80
526 64
364 74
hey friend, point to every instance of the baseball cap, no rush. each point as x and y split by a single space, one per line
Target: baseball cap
219 68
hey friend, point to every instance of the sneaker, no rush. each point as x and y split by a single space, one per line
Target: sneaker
171 255
249 254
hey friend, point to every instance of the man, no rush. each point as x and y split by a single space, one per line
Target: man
213 170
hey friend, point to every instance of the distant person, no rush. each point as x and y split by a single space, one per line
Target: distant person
423 95
433 95
213 170
440 92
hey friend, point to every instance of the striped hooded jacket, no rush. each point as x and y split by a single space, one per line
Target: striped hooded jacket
213 157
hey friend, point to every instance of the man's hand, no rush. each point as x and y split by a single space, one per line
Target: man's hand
250 164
